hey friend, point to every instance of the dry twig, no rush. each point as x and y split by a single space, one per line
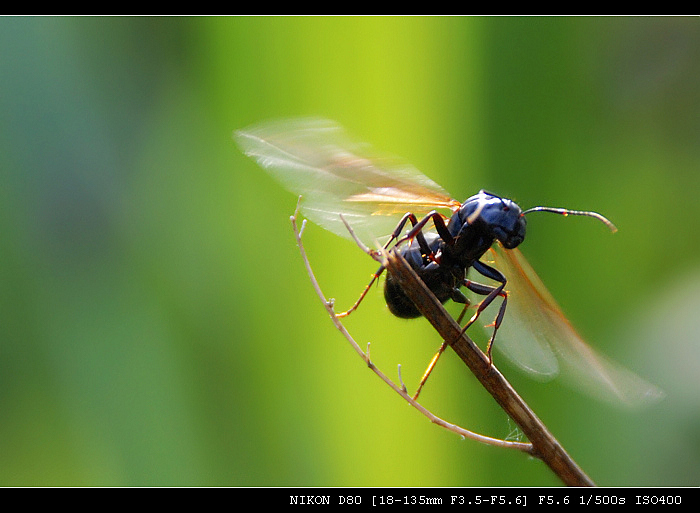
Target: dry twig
542 444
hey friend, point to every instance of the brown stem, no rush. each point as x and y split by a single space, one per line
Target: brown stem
542 444
401 390
545 446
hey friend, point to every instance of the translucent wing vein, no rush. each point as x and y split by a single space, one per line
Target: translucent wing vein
314 158
537 337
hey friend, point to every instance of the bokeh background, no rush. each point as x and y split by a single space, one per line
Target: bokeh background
157 326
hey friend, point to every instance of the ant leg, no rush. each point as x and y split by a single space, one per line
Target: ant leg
491 293
397 231
458 297
427 372
419 235
425 249
440 226
362 296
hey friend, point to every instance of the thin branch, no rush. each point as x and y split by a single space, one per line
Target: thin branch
542 444
545 446
399 389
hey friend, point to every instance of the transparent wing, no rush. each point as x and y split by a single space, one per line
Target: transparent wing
537 337
314 158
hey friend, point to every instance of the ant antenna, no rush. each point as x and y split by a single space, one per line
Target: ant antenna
566 212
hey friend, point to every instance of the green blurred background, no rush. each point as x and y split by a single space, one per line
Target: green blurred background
157 326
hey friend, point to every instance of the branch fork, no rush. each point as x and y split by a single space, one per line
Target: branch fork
542 444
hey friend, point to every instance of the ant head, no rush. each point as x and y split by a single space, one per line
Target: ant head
503 219
500 218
